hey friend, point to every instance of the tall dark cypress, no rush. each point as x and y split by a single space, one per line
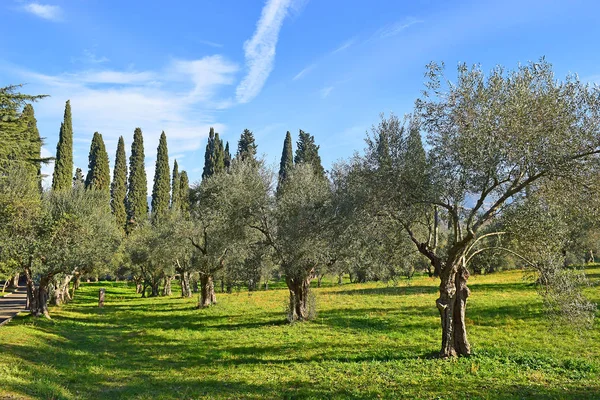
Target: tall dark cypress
214 156
246 146
219 157
137 192
162 180
63 166
33 144
98 176
227 156
184 192
118 190
175 197
287 161
308 152
209 162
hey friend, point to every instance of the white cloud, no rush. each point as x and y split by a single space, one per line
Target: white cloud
209 43
326 91
45 11
304 71
182 99
396 28
89 57
344 46
260 49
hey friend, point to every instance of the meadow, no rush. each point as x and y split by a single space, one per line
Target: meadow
368 341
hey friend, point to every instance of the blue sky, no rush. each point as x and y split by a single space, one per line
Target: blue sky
328 67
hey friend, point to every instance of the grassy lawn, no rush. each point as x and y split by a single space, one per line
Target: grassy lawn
368 341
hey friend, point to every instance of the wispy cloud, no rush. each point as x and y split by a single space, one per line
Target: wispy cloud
344 46
45 11
89 57
304 71
326 91
182 98
260 49
395 28
209 43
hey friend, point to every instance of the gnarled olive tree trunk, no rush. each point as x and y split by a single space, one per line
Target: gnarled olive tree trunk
452 305
186 290
167 286
299 288
37 297
207 291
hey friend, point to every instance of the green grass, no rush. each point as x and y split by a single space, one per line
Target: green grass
368 341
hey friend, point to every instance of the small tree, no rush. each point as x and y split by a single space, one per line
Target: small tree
296 230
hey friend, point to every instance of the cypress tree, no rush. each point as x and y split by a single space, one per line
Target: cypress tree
227 156
33 143
98 176
118 190
246 146
209 153
219 155
175 197
137 192
63 166
184 192
162 180
308 152
214 156
287 161
78 182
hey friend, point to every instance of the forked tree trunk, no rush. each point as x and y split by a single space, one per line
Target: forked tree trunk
452 305
207 291
167 287
298 298
155 288
185 284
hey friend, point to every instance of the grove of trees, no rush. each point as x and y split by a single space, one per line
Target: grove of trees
508 176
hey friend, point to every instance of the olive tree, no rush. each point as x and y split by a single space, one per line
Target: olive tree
295 228
223 207
76 231
490 138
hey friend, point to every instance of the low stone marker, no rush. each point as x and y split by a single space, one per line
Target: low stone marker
101 297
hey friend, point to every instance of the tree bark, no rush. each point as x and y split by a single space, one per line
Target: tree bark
298 298
452 305
167 287
207 291
185 284
14 282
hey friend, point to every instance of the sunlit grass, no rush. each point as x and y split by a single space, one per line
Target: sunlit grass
368 341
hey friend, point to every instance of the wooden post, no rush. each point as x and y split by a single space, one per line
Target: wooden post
101 297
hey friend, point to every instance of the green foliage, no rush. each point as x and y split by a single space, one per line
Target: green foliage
98 176
214 156
184 192
308 152
227 155
175 188
368 341
162 183
21 142
63 165
247 147
137 192
287 161
119 186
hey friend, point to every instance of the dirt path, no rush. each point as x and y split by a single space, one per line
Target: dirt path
13 303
